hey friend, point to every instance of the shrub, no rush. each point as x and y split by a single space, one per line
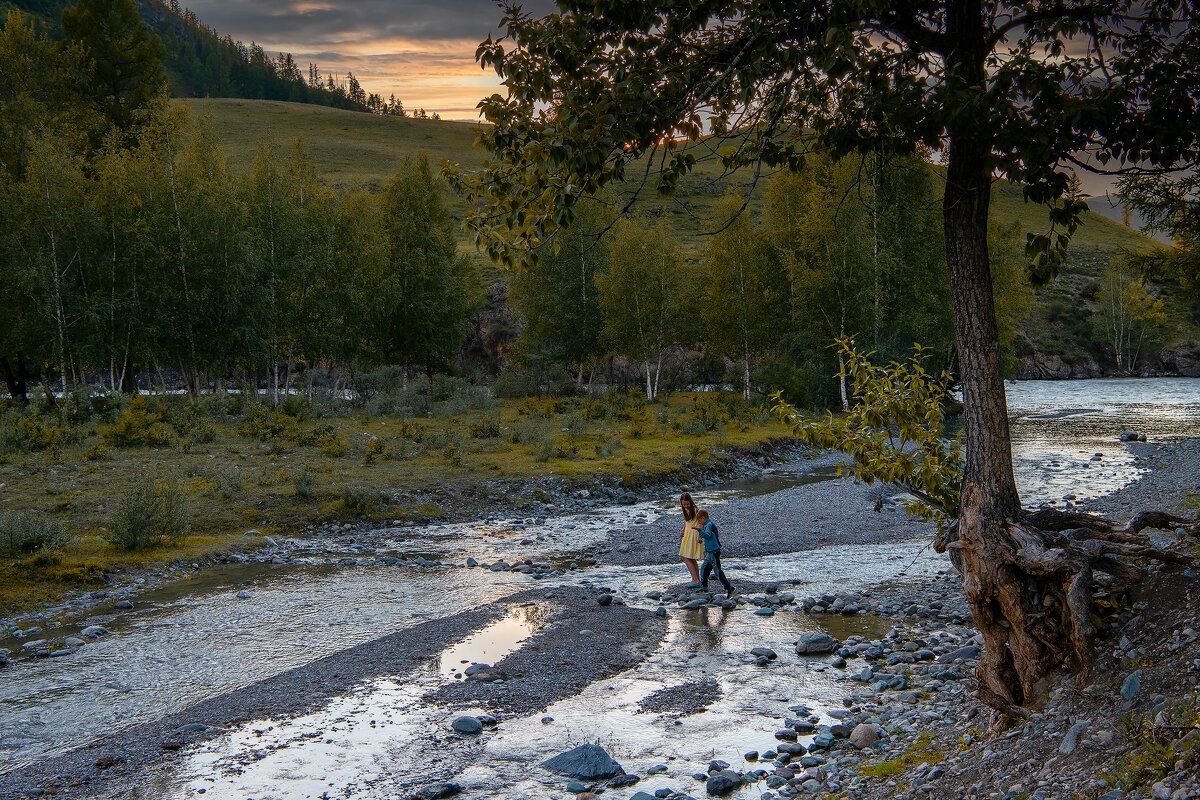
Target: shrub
149 515
24 533
332 444
265 424
141 425
376 448
484 429
303 484
30 432
359 502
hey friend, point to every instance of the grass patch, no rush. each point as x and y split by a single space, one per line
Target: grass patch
233 479
921 751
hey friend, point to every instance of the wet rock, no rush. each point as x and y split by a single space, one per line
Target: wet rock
621 781
587 762
94 630
547 720
864 735
657 769
604 600
751 756
243 595
786 734
763 652
468 726
575 787
723 783
192 727
124 605
660 611
764 612
437 791
171 746
815 643
641 796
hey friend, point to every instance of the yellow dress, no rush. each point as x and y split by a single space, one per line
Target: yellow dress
691 546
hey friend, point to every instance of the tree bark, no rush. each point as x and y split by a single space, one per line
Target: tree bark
9 378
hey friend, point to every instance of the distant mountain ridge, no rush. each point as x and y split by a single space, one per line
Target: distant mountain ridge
200 62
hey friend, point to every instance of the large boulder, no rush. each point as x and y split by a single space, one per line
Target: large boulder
864 734
587 762
722 783
815 643
1182 359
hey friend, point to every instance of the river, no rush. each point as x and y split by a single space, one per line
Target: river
196 639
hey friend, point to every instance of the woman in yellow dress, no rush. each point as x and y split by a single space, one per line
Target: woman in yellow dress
691 549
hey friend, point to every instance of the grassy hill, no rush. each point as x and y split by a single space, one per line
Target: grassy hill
355 150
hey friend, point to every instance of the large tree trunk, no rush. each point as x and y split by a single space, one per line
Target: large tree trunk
1028 577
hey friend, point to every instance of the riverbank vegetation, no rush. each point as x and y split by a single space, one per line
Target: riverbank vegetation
102 483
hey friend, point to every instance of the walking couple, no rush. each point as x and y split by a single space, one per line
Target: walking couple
701 541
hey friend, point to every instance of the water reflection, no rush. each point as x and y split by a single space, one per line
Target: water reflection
1064 433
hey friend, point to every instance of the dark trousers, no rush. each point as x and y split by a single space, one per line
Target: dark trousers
712 563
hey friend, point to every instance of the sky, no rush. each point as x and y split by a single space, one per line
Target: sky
421 51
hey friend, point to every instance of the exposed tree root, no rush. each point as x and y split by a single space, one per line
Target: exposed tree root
1029 583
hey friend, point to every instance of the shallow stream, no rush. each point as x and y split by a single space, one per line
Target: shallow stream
197 639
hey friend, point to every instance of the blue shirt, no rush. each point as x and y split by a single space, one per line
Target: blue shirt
708 535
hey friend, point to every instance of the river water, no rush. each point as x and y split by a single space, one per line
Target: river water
196 639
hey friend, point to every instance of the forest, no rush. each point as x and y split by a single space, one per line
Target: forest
140 259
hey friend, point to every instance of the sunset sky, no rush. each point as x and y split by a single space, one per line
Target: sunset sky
422 51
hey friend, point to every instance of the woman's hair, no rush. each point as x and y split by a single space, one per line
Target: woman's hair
689 511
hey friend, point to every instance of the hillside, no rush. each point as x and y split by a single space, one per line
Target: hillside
361 150
201 62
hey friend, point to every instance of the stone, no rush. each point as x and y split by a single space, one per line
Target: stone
763 652
468 726
1071 739
815 643
1131 685
864 735
764 612
751 756
967 653
657 769
621 781
786 734
192 727
575 787
604 600
660 612
722 783
243 595
642 796
94 630
124 605
587 762
437 791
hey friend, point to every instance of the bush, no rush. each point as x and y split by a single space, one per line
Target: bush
303 484
359 502
30 432
141 425
265 424
332 444
376 448
25 533
484 429
149 515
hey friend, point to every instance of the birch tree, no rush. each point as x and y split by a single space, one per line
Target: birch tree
644 297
